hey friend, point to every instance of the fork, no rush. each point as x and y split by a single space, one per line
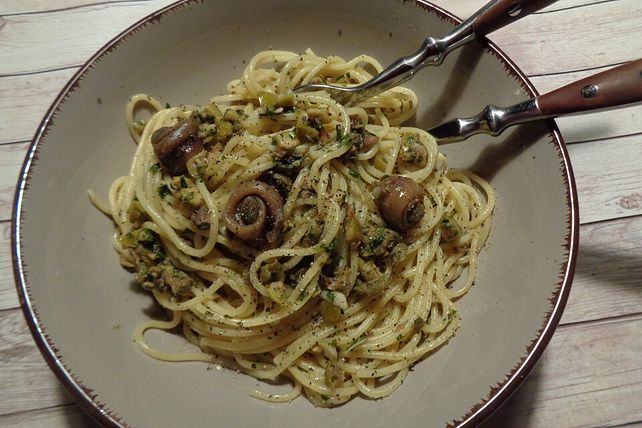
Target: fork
492 16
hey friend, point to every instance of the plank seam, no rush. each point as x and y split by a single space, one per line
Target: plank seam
606 138
45 70
624 424
80 6
577 6
634 316
70 404
606 220
8 143
578 70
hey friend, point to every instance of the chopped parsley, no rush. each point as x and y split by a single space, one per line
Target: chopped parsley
164 190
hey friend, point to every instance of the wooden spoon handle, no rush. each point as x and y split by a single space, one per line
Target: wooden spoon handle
617 86
504 12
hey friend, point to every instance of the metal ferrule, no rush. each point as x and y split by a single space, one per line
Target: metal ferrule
494 120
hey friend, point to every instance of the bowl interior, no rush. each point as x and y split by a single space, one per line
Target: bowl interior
88 305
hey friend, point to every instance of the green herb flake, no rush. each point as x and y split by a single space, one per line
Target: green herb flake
357 341
331 247
375 241
164 190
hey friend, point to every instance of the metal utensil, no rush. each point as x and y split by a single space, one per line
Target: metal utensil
492 16
615 87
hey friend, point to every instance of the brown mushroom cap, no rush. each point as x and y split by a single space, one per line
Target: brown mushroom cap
254 213
174 146
401 202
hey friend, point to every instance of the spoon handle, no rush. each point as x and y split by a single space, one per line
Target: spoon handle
617 86
504 12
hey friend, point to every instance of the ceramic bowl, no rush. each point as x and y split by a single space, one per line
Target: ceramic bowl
82 306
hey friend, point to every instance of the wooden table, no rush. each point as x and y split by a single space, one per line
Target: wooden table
590 374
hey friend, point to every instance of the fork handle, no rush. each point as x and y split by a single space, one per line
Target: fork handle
504 12
617 86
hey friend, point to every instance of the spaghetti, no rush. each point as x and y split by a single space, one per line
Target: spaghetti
291 237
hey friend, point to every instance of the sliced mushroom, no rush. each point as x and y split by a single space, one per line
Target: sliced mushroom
401 202
369 141
175 145
201 217
254 213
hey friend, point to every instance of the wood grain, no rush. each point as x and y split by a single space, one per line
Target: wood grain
8 294
68 416
27 383
67 37
11 159
16 7
590 369
609 184
24 100
608 277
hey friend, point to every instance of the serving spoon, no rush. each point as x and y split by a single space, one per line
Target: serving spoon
612 88
492 16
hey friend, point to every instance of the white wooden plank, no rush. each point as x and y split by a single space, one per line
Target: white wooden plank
69 416
15 7
609 178
24 100
589 376
601 125
27 383
608 277
68 37
8 293
11 158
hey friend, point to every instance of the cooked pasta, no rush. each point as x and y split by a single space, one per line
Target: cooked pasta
296 239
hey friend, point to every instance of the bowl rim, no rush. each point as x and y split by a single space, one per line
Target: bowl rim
87 399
